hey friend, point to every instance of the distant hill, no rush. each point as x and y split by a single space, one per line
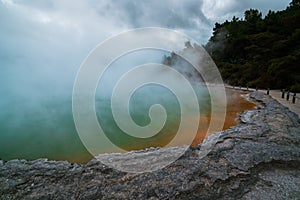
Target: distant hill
257 51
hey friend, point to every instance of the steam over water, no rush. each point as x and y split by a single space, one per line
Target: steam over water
141 101
48 130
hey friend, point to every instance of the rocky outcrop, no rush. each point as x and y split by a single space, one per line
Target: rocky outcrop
260 158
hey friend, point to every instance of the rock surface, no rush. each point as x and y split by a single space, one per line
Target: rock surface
258 159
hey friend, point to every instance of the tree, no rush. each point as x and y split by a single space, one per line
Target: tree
252 15
295 3
235 19
256 51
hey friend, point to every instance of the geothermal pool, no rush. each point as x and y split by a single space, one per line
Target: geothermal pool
54 136
39 124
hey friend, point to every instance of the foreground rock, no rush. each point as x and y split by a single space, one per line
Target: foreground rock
258 159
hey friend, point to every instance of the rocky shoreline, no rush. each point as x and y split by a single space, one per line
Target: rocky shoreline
259 158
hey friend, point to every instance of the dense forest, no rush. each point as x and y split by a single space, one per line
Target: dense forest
259 51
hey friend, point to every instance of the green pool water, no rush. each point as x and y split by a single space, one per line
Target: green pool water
47 130
33 127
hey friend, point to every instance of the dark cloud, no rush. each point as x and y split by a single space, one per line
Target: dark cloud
169 13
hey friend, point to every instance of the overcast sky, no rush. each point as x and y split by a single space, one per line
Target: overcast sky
43 42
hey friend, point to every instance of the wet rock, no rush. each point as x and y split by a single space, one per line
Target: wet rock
260 158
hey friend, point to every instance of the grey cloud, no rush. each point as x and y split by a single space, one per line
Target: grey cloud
219 11
169 13
265 6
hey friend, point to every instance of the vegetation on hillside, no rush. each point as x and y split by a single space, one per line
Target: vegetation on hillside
257 51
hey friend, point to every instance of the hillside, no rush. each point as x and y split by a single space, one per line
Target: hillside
257 51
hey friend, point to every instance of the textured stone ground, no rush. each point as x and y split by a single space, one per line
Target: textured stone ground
258 159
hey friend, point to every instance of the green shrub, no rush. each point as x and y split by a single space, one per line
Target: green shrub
295 88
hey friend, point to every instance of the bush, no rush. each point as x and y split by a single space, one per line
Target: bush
295 88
